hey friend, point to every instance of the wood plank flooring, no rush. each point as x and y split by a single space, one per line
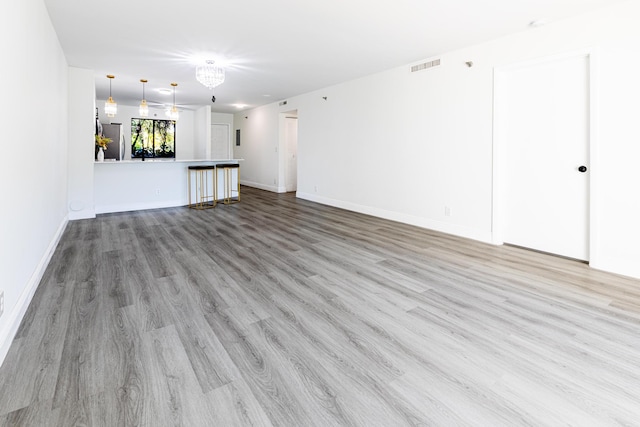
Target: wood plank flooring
281 312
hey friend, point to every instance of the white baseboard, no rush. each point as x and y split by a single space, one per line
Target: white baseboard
616 267
81 215
272 188
430 224
17 313
126 207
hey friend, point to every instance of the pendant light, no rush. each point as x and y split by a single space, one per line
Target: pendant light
172 113
144 108
110 107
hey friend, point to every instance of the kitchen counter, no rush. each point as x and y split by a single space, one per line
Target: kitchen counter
130 185
135 161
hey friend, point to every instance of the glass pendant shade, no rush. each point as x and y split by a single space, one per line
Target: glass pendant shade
110 106
173 113
209 74
144 108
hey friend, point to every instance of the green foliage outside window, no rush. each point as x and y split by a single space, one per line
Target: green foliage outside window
153 138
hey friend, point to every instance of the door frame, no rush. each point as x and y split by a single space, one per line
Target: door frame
287 153
498 217
282 148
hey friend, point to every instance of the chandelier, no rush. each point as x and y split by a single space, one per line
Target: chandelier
209 74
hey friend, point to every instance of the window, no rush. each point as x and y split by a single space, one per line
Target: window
153 138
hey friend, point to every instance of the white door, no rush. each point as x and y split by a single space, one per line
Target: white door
220 142
547 140
291 161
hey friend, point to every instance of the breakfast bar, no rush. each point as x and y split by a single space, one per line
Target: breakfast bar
127 185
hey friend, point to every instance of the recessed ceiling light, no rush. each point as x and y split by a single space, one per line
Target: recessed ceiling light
239 105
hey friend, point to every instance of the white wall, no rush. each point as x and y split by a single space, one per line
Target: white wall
222 118
33 178
404 145
202 132
618 211
81 143
259 147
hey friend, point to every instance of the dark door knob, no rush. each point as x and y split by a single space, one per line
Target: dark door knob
582 169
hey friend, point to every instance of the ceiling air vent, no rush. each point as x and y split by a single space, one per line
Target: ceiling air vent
425 65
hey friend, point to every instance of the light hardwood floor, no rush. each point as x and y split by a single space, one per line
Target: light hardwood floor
277 311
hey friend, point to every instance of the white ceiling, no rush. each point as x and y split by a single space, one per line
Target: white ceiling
275 49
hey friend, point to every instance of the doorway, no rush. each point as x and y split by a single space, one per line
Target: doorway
542 147
291 151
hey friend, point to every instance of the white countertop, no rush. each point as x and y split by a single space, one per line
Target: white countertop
112 162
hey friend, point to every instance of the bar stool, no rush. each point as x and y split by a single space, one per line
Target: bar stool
203 198
227 179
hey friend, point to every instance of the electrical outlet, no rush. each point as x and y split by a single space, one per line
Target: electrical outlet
1 303
447 211
157 191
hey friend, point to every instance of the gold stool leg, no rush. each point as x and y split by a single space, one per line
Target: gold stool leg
200 189
238 169
189 184
226 186
211 196
205 184
214 181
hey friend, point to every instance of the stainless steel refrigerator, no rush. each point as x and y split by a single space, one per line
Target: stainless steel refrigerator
115 150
